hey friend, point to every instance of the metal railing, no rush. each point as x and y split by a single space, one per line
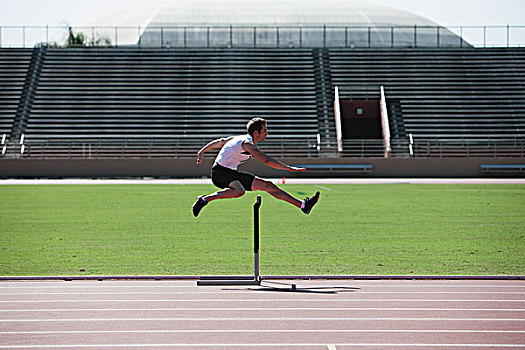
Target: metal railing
280 148
175 148
283 36
466 148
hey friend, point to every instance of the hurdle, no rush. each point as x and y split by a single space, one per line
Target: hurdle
241 280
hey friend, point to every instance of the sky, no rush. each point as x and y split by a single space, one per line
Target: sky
76 12
444 12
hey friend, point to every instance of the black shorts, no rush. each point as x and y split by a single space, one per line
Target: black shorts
222 177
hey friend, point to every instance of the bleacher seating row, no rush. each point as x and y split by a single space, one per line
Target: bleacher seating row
132 93
14 64
443 94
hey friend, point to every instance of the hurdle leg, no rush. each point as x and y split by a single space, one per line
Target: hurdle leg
256 207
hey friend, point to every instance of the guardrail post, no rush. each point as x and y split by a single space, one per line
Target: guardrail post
324 35
508 35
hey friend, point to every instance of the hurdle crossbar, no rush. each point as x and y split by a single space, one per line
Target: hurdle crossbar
240 280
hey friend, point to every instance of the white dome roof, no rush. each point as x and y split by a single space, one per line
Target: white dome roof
264 13
282 12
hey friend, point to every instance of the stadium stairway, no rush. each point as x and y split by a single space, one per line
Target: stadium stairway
395 118
325 97
28 93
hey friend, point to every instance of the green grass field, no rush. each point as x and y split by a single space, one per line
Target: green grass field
355 229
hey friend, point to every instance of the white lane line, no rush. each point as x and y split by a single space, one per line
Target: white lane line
338 300
154 285
331 347
258 345
264 319
263 309
267 331
323 188
240 292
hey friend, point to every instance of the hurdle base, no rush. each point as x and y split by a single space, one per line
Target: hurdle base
229 282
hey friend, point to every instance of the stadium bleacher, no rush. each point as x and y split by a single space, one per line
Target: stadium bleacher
135 94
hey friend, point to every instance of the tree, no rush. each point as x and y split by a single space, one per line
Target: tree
75 40
80 40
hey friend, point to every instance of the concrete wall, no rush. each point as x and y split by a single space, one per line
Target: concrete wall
393 167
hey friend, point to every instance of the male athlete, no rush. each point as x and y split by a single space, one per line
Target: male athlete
234 151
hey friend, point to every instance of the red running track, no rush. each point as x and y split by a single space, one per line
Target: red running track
320 314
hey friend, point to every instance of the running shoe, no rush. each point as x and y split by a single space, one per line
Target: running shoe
310 202
199 204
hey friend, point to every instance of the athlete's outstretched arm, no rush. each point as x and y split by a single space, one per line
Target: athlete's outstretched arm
218 143
266 159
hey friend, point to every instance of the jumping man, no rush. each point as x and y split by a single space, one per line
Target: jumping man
233 183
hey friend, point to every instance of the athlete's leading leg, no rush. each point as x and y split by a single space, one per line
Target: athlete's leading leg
268 186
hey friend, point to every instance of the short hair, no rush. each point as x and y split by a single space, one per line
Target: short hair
255 124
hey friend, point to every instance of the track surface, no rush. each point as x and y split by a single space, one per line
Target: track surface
319 314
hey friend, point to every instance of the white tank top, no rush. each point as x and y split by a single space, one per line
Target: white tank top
232 154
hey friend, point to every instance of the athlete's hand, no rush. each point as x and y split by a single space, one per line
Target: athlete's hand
295 169
199 158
